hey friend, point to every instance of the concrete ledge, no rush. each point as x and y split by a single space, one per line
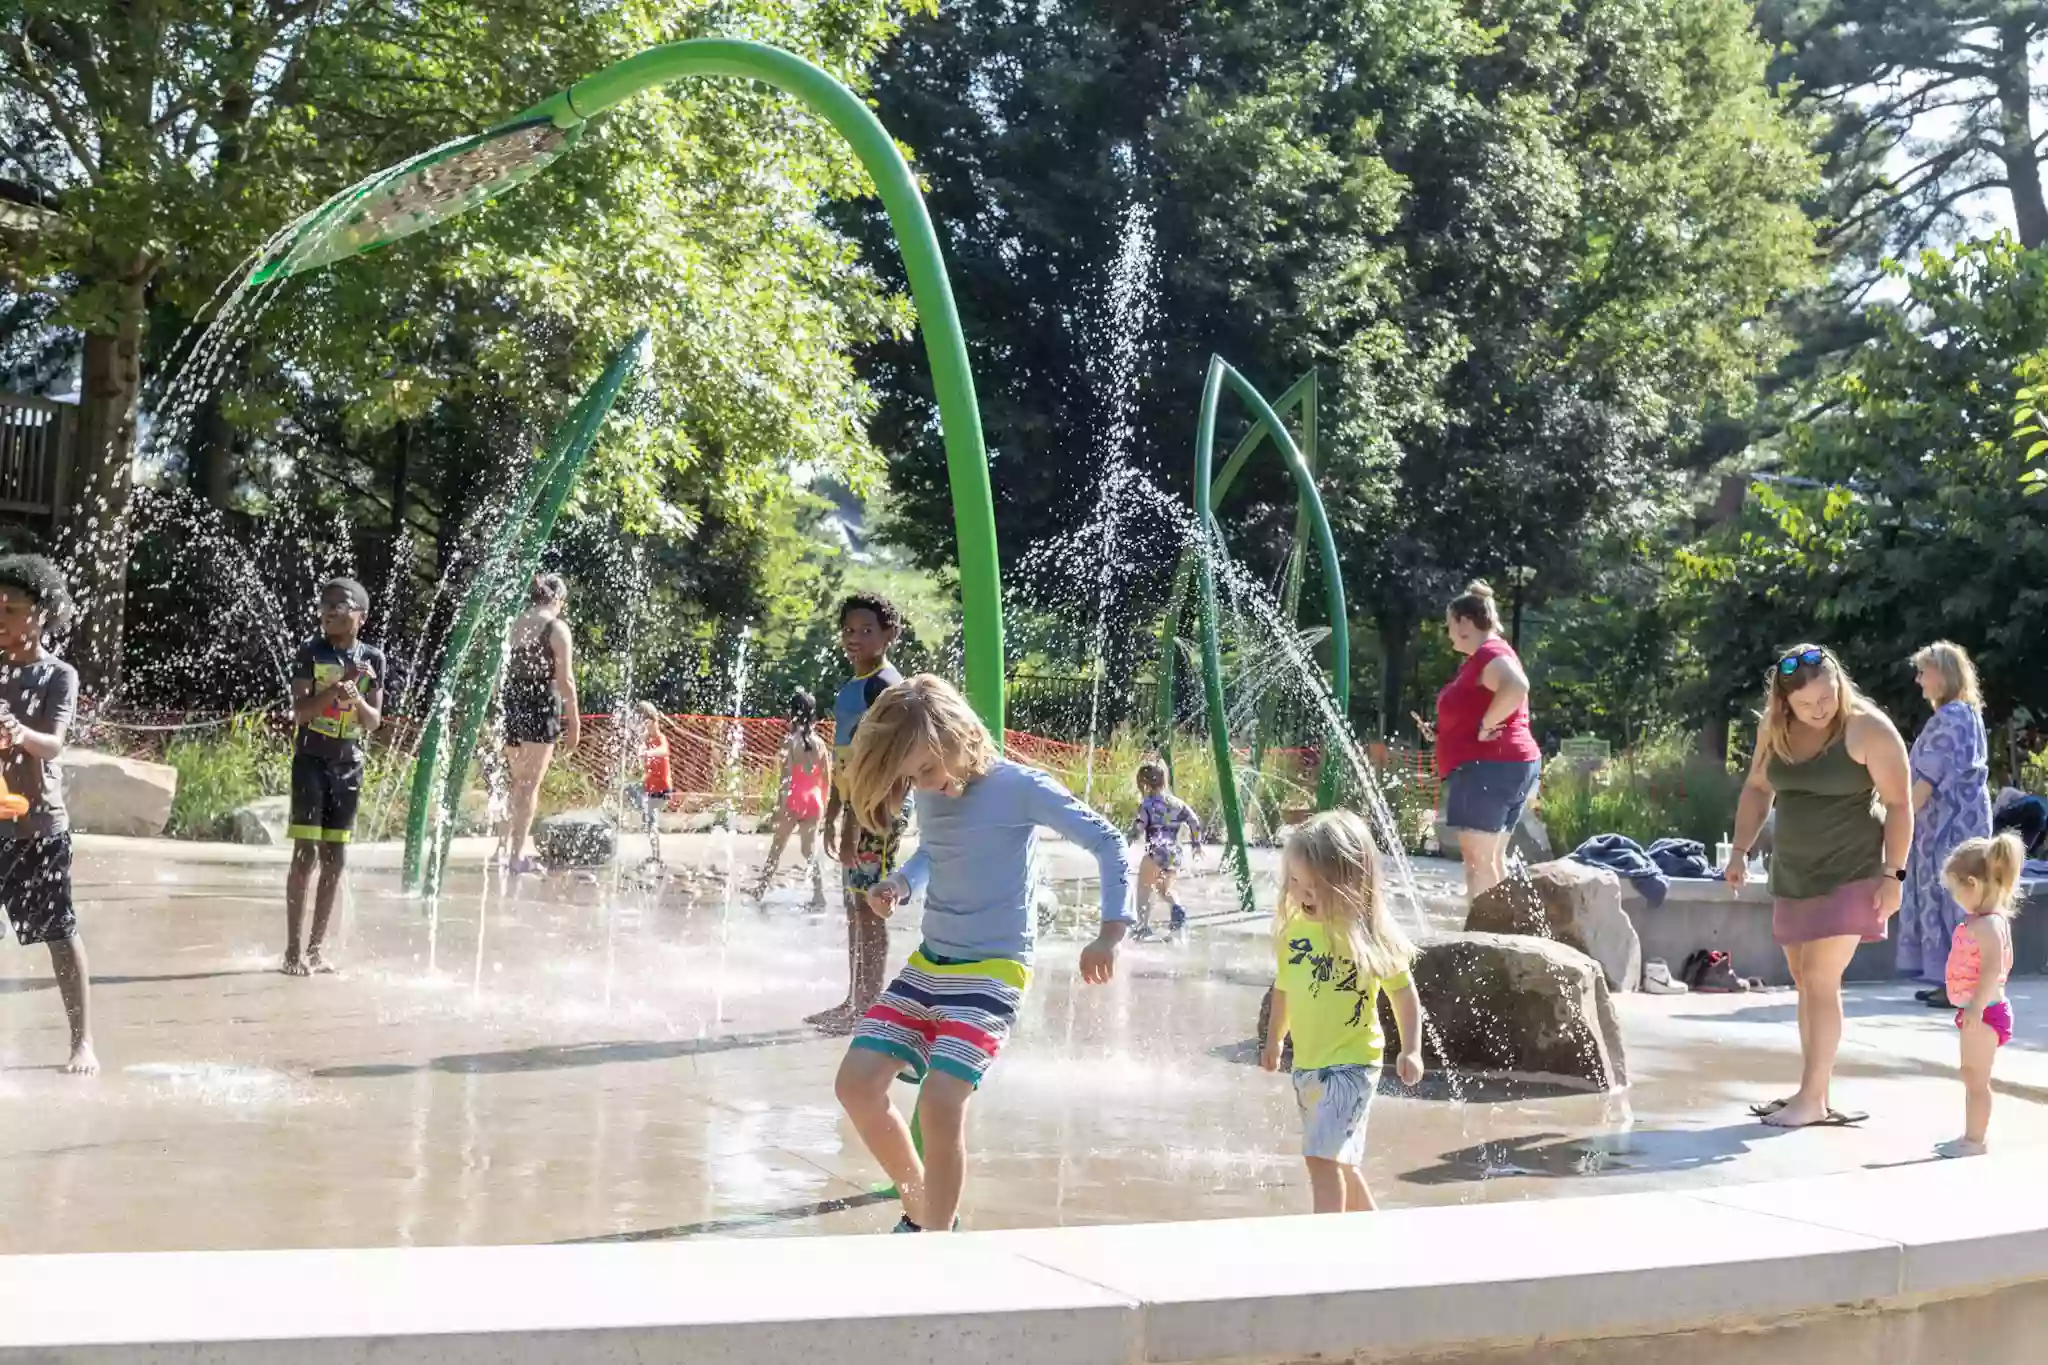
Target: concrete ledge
1811 1266
1712 914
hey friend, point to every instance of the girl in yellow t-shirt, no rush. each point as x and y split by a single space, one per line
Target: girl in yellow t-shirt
1338 948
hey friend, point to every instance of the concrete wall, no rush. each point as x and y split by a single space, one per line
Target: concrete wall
1844 1270
1704 914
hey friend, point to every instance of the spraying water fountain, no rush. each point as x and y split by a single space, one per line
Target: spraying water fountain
475 661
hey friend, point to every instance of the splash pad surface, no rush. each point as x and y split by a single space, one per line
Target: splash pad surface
583 1063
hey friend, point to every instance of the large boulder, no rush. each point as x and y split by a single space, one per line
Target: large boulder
1530 840
109 795
261 822
576 838
1577 905
1510 1004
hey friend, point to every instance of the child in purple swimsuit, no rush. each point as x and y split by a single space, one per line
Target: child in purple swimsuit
1160 817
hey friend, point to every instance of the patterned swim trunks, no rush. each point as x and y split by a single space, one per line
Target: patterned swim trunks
943 1015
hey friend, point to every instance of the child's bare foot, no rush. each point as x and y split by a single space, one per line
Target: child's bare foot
317 963
84 1061
294 965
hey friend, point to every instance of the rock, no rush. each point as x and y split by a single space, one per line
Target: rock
1530 840
576 838
109 795
1577 905
260 822
1524 1006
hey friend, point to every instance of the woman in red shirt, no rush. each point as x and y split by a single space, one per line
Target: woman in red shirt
1484 751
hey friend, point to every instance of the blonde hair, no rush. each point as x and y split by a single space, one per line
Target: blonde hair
1774 722
1335 853
1958 674
1996 862
921 712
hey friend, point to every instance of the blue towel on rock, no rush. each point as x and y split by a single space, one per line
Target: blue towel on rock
1685 858
1620 854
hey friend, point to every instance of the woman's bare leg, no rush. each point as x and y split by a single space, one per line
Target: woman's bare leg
1483 856
529 764
1822 963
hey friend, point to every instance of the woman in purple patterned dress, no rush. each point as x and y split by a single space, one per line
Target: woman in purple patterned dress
1951 803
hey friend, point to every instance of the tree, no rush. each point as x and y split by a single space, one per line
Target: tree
173 135
1598 210
1900 518
1932 106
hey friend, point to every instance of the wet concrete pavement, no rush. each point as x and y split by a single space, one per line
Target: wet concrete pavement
557 1060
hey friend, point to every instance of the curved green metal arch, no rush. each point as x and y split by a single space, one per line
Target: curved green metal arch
924 266
1301 400
1209 488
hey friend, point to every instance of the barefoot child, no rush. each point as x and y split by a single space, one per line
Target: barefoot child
868 625
38 697
1983 875
337 699
1338 949
947 1016
1160 817
800 798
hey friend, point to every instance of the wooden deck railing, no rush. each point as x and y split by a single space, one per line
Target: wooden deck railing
36 439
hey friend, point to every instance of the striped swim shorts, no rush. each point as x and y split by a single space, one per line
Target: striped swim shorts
940 1014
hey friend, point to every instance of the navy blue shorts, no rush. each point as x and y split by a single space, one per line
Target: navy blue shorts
1488 797
35 888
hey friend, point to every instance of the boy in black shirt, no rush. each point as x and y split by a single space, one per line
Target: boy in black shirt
337 700
38 697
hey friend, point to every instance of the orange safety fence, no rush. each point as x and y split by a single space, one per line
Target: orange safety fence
702 751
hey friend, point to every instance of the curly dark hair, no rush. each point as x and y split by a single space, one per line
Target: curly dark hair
42 581
885 611
1152 776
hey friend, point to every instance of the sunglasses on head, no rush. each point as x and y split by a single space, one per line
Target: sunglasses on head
1804 658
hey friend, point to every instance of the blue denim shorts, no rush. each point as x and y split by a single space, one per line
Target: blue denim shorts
1488 797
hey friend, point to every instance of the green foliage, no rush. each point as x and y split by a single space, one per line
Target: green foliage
398 389
221 770
1645 796
1905 521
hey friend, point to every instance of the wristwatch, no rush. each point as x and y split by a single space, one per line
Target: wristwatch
1896 874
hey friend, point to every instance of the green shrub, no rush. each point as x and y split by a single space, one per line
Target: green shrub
1644 796
222 769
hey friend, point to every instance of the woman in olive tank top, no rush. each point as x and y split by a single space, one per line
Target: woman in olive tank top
1837 772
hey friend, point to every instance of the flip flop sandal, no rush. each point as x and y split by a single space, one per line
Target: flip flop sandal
1764 1111
1834 1118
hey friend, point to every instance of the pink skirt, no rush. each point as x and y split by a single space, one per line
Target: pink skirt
1847 910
